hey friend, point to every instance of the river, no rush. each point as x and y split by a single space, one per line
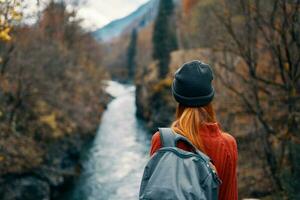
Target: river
114 163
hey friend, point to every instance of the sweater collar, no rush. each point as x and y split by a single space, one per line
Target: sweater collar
210 129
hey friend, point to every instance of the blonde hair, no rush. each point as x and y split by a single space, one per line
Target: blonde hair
189 121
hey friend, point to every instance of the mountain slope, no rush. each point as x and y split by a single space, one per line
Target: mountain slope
140 18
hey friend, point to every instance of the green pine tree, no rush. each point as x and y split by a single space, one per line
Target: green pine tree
131 53
164 36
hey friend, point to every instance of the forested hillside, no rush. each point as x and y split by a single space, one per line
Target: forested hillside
51 99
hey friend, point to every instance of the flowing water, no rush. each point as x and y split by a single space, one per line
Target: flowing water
113 166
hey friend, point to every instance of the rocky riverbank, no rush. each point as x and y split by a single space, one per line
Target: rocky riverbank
153 99
48 180
43 168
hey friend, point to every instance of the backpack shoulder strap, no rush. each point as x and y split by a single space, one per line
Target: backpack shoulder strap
167 137
184 139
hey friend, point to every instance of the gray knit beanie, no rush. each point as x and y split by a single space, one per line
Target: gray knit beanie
192 84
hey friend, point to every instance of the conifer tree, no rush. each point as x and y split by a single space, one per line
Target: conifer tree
131 53
164 36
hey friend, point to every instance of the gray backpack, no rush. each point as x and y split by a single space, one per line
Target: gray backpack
176 174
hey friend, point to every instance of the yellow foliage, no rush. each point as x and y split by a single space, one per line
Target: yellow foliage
42 106
286 66
2 158
50 120
4 34
10 13
16 15
165 83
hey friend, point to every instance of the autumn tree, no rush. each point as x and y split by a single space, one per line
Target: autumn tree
164 36
261 48
51 87
10 14
51 93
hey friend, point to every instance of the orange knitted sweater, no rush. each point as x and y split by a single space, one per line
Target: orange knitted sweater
222 149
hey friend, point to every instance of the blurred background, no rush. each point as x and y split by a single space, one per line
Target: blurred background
84 84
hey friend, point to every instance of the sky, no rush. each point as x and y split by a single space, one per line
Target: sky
95 13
